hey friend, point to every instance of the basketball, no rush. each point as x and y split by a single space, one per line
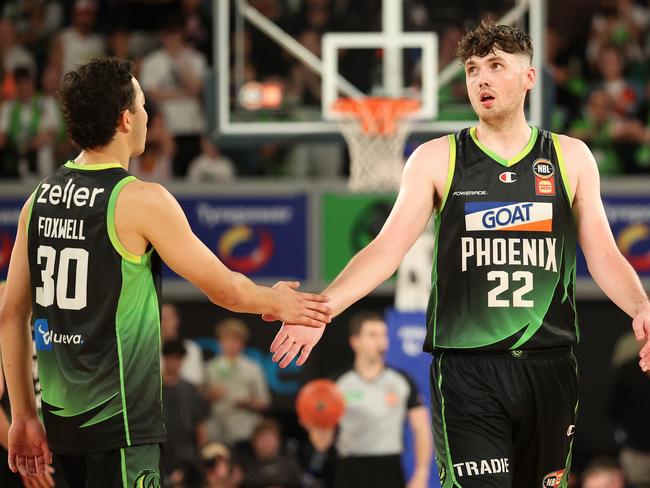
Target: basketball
320 403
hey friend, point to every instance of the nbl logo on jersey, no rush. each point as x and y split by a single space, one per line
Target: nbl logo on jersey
506 216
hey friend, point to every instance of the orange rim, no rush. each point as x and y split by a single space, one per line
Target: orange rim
377 115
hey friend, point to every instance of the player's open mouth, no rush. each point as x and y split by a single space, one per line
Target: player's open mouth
487 100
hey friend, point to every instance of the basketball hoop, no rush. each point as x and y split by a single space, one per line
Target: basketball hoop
375 130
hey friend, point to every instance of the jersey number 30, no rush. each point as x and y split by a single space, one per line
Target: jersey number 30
503 277
45 294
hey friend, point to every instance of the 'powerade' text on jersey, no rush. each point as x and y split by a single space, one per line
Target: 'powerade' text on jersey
96 316
504 266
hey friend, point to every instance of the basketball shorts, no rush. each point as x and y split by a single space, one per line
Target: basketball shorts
130 467
369 472
504 419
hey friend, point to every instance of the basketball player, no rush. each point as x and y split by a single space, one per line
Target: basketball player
85 266
510 201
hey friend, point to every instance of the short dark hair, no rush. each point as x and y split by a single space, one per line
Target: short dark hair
267 425
173 348
93 96
22 73
360 318
488 36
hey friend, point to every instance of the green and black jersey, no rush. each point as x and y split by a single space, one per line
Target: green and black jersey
96 316
504 265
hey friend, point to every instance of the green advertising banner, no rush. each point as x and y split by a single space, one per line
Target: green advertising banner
350 221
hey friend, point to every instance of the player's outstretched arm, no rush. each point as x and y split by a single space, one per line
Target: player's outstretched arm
609 268
377 262
422 180
150 212
28 449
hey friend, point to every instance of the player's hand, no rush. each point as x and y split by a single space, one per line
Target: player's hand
45 481
641 326
292 340
29 453
299 308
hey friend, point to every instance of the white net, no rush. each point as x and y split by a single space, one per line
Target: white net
376 137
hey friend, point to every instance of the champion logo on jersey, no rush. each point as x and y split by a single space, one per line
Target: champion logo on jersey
507 216
508 177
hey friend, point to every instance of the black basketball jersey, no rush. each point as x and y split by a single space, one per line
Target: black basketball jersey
96 316
504 268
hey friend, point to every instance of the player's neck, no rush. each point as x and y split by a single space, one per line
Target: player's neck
367 368
105 155
507 137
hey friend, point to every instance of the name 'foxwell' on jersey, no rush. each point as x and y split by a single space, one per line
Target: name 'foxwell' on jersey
511 217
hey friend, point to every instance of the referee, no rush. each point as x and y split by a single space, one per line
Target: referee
378 398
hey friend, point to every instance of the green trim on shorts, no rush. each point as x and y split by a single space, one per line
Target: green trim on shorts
123 468
450 465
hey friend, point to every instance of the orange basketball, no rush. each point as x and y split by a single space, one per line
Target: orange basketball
320 403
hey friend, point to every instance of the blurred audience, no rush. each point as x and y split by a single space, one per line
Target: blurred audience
155 163
184 411
629 404
29 124
603 473
192 367
211 165
172 77
217 466
79 42
235 386
265 465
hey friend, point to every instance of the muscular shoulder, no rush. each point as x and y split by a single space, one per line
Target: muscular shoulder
578 160
143 195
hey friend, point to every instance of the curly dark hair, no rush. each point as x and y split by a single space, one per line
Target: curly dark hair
488 36
93 96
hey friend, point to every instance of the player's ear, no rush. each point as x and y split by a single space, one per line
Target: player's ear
530 77
124 123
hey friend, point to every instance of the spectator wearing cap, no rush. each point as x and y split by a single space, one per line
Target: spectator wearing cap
235 387
184 412
217 466
12 53
78 43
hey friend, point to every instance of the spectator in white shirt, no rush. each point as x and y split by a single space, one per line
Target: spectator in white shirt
170 322
173 78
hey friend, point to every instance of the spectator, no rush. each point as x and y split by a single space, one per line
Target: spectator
379 399
28 127
12 56
267 466
211 165
197 26
155 164
217 466
629 404
602 131
184 411
173 77
235 386
170 323
603 473
78 43
625 97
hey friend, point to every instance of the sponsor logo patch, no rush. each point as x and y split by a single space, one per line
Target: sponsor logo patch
544 172
553 480
508 177
506 216
46 338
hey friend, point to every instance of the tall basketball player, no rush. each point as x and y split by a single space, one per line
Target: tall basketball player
510 202
85 267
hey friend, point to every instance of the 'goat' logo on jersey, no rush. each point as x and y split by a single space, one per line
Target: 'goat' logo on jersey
506 216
